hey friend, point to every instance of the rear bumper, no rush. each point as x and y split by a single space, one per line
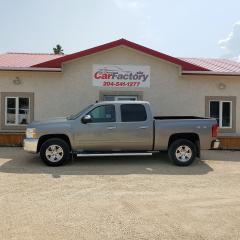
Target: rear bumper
30 145
215 144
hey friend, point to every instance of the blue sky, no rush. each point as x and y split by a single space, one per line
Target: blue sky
188 28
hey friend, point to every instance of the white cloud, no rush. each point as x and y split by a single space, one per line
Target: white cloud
231 45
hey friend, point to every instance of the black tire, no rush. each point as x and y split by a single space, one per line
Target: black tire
62 146
182 158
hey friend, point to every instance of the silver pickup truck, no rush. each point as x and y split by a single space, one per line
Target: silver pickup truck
120 128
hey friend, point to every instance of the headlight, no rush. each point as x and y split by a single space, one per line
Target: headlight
31 133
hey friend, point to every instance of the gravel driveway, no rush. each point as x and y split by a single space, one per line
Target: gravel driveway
119 198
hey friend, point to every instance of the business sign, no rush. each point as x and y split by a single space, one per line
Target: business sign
121 76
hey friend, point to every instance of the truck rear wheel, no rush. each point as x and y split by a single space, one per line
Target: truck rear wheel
182 152
55 152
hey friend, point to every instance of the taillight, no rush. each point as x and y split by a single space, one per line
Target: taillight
214 130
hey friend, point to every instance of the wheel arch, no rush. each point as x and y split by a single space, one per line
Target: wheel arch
44 138
193 137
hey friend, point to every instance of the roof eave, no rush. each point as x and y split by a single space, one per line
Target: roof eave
58 62
31 69
210 73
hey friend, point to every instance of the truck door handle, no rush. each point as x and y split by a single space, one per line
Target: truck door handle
143 127
111 128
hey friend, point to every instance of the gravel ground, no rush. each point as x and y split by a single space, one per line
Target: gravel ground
119 198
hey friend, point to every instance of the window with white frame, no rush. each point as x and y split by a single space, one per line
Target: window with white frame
17 110
223 111
119 98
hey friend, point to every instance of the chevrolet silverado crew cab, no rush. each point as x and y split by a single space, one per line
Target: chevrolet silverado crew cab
120 128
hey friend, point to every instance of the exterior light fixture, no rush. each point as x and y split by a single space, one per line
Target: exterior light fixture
221 86
17 81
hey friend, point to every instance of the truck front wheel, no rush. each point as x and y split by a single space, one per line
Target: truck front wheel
55 152
182 152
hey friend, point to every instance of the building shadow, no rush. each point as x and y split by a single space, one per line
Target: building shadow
20 162
221 155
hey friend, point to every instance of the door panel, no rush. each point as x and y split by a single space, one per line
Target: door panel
135 136
96 137
100 134
135 131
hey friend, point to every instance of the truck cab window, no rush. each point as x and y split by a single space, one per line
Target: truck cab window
133 113
104 113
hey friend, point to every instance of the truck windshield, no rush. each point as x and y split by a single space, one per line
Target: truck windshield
76 115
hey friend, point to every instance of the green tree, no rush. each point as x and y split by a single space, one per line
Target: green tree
58 49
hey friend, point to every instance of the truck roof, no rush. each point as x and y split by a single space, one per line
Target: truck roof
124 101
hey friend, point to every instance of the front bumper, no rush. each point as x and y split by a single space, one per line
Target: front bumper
30 145
215 144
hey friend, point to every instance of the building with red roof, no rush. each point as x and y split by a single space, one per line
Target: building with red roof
35 86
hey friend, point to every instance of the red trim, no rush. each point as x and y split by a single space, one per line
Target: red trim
215 74
56 63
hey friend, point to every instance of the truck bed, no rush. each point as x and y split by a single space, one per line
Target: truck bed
166 126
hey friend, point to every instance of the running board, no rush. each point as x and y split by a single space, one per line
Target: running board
111 154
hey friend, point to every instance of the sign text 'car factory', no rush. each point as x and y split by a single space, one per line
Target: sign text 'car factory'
121 76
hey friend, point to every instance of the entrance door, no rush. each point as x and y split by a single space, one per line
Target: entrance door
125 98
120 98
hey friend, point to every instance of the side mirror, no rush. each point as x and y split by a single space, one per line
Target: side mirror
86 119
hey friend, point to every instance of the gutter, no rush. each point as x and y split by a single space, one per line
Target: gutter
210 73
31 69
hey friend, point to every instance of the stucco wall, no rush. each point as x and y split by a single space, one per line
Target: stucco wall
163 75
202 86
58 94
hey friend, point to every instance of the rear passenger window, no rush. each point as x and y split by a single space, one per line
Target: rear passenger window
133 113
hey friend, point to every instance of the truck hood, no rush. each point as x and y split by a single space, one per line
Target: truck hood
48 121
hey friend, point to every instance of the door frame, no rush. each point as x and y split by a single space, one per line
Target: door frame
138 94
125 98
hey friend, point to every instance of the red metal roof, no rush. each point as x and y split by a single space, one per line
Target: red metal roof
216 64
50 61
56 63
24 60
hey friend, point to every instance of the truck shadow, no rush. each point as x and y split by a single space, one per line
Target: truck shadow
19 162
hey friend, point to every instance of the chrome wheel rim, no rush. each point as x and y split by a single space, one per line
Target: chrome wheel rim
183 153
54 153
